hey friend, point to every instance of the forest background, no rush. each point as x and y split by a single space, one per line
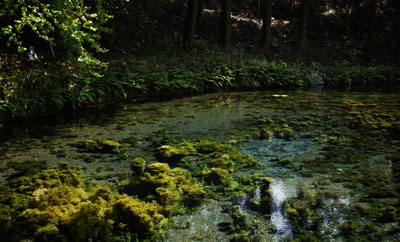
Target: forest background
58 55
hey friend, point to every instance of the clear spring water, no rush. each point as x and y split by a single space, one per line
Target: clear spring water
342 143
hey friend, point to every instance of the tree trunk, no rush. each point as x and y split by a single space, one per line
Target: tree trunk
266 27
190 22
199 15
371 27
226 6
301 38
257 6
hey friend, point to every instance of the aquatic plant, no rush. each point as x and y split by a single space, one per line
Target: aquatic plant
169 154
142 218
172 188
238 217
98 146
264 133
138 165
218 176
284 132
53 206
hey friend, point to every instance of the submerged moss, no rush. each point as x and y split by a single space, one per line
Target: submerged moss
169 154
238 217
142 218
285 132
98 146
218 176
172 188
138 165
55 207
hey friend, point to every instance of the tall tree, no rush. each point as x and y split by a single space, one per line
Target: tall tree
266 27
302 32
371 26
257 8
190 22
225 31
199 15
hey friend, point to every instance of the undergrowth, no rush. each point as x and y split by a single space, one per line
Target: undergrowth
45 88
346 75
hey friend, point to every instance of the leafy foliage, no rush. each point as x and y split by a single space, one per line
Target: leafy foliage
350 76
74 26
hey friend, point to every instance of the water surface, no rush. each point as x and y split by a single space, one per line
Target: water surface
336 179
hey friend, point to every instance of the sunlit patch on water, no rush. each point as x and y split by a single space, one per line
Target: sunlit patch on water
279 193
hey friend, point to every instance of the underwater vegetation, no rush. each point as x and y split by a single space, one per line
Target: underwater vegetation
98 146
171 188
335 160
53 205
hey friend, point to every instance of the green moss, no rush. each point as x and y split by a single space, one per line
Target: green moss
263 133
285 132
208 147
138 165
389 214
53 206
223 162
169 154
99 146
172 188
348 229
58 152
28 167
218 176
142 218
238 217
109 146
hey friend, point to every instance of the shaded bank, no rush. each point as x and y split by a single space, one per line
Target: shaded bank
54 87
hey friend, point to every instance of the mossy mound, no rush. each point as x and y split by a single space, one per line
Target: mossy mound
172 188
218 176
169 154
138 165
142 218
98 146
53 206
284 132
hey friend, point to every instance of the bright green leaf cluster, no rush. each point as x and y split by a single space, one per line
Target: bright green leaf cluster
73 26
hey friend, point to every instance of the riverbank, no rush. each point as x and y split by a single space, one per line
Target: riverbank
42 87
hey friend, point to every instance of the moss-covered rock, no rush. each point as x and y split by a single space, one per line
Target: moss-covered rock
138 165
218 176
263 133
53 206
142 218
98 146
284 132
238 217
170 154
172 188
